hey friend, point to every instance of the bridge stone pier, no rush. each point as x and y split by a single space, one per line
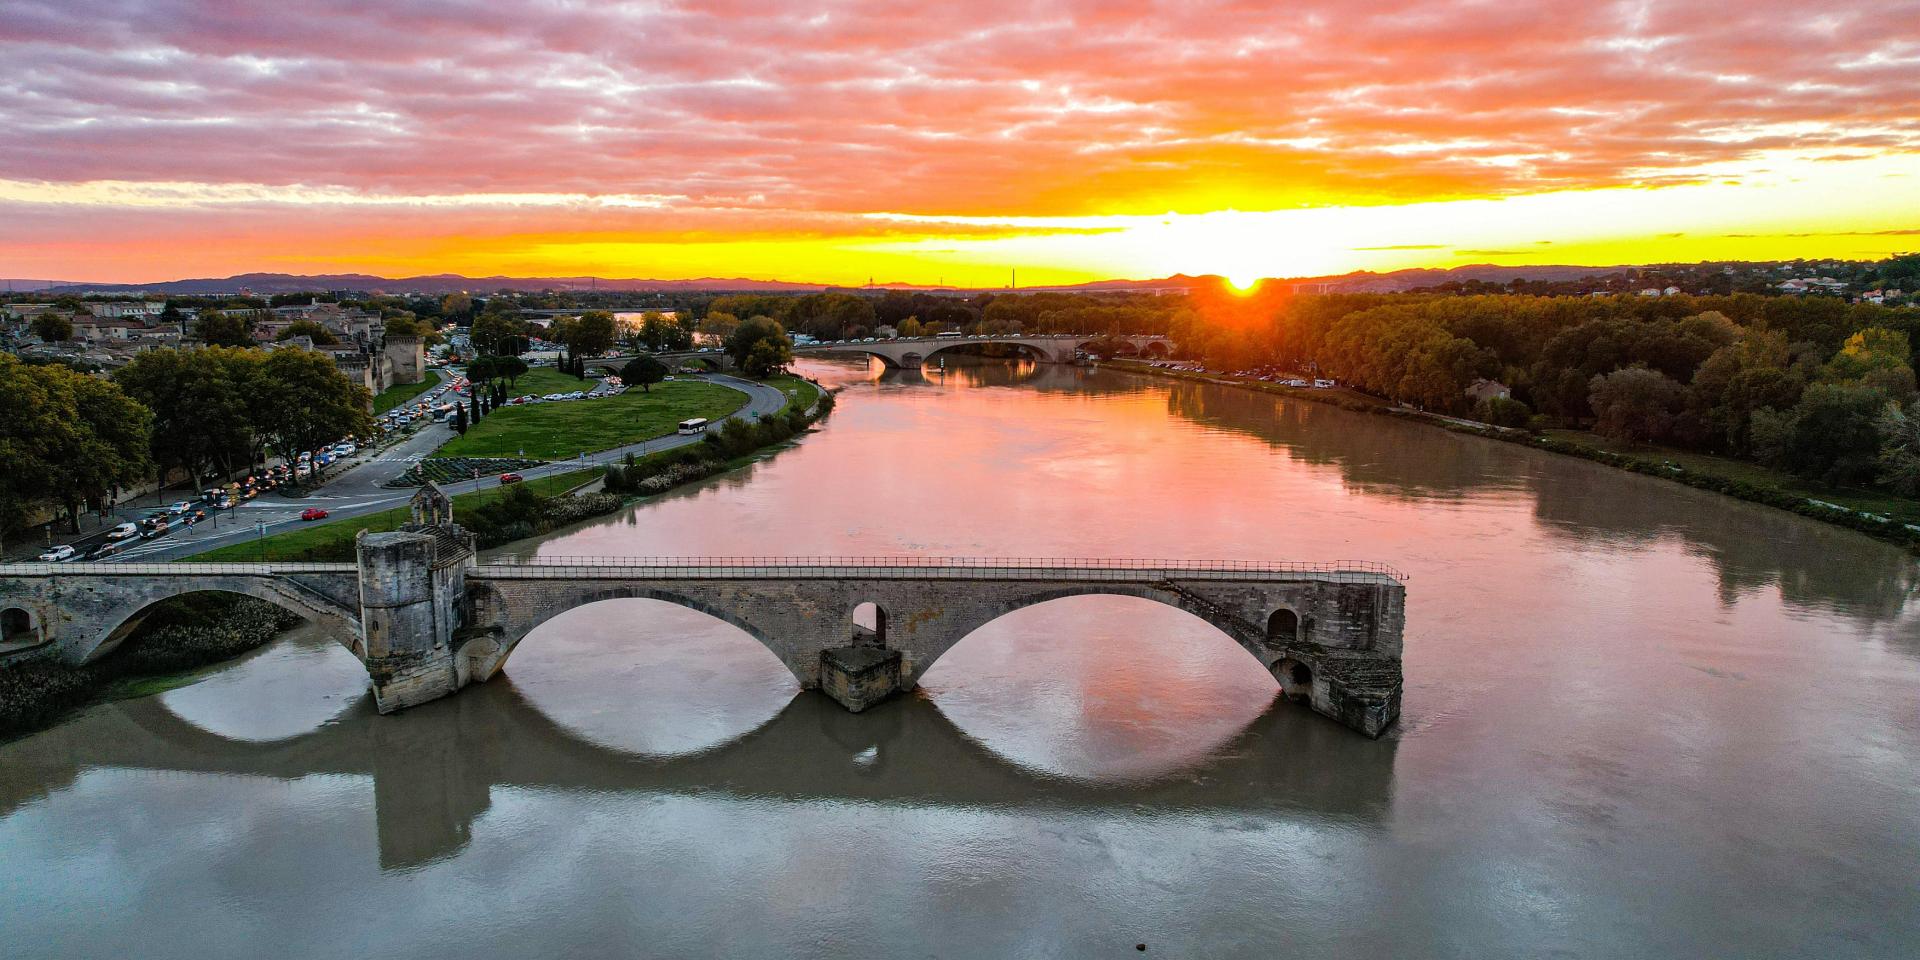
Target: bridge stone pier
427 619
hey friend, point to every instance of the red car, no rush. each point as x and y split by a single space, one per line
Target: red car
313 513
507 478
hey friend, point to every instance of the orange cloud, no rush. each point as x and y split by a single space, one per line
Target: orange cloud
739 124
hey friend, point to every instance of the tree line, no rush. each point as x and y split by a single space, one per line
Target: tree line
75 442
1815 386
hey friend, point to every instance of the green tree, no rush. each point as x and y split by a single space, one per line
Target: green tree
1900 448
653 330
719 325
910 327
66 439
592 334
305 402
53 327
408 325
1744 376
1876 357
678 334
645 371
220 329
1636 404
110 444
202 404
1832 434
498 333
830 315
482 369
321 336
456 307
1502 412
32 419
760 347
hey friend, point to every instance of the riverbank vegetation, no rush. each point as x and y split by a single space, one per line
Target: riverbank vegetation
1874 512
725 447
178 636
561 430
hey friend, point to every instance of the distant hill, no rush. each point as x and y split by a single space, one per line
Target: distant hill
1367 282
17 285
438 284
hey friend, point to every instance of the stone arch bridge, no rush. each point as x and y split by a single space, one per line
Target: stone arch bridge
427 619
911 353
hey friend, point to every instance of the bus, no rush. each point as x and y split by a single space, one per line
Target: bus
696 425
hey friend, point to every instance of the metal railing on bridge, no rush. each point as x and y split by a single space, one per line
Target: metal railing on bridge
980 568
173 569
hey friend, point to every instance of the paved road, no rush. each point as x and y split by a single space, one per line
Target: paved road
360 490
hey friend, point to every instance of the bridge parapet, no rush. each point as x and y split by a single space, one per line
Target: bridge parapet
940 568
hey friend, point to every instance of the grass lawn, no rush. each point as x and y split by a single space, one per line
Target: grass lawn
334 538
557 431
802 392
1853 498
398 394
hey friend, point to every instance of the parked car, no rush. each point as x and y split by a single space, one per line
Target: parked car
59 554
507 478
125 531
313 513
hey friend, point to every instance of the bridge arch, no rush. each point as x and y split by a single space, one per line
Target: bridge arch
1250 640
19 624
1283 626
490 654
1028 350
121 623
1296 678
870 624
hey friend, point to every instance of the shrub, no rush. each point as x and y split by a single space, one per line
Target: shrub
1503 412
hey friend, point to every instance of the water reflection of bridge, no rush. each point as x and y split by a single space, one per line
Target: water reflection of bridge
434 776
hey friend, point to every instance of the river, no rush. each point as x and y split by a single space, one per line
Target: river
1639 721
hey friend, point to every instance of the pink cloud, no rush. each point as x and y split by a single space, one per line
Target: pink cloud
944 108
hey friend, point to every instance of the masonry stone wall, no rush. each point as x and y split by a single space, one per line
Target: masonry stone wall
82 617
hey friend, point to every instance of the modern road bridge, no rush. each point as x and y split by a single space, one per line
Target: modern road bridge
911 353
427 619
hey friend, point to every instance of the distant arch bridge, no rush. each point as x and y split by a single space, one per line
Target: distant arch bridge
912 353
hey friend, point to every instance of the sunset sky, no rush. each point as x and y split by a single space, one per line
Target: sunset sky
922 142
